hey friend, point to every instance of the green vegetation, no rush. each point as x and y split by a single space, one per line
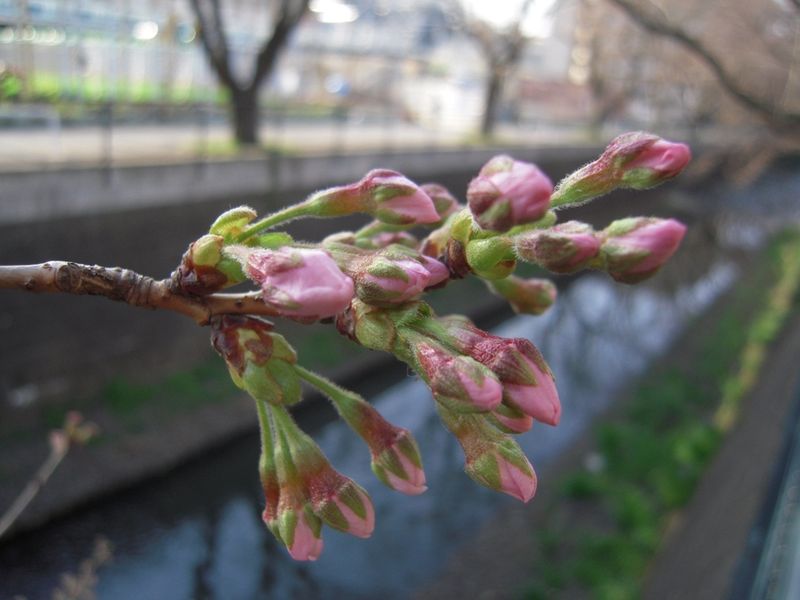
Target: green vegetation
606 524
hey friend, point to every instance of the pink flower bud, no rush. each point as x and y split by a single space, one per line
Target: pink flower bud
445 203
636 248
395 275
658 161
635 160
301 532
564 248
396 199
511 420
526 296
528 383
455 378
399 466
492 458
508 192
300 282
340 502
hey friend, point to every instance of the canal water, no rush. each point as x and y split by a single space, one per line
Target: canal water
197 533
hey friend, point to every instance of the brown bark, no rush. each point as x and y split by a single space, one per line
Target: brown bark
123 285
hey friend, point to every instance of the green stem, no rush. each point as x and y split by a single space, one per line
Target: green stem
287 214
267 443
345 401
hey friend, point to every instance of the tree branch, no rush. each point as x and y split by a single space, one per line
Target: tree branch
649 21
215 43
287 20
123 285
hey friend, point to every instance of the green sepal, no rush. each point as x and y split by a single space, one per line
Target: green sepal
230 223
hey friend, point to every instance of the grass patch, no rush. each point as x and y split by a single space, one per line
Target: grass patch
654 454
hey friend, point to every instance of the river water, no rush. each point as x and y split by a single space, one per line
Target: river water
197 533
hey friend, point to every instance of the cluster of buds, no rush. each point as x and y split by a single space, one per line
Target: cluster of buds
370 283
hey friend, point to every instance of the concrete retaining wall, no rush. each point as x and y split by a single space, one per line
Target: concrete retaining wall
71 191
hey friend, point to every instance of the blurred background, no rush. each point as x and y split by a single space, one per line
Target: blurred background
127 126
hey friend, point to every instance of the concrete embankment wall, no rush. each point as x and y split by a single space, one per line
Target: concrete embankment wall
27 196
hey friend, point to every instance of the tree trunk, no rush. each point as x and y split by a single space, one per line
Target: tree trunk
493 89
245 117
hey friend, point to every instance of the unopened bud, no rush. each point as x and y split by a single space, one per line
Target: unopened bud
565 248
204 270
394 275
491 258
457 380
260 361
635 160
232 222
444 202
636 248
492 458
299 282
508 192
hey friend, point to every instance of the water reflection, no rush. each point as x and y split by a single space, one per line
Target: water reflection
198 533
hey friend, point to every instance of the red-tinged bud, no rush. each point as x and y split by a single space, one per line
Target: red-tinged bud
526 296
508 192
396 199
636 248
636 160
510 420
444 202
457 380
204 270
399 465
395 456
492 458
392 275
565 248
299 282
528 382
334 498
271 487
260 361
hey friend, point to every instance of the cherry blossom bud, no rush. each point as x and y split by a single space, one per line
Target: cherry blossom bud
636 248
635 160
491 258
565 248
392 275
395 456
526 296
397 199
300 282
341 503
200 271
528 383
334 498
367 325
445 203
492 458
399 465
271 487
456 380
508 192
510 420
295 523
260 361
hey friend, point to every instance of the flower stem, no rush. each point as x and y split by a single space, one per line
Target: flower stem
289 213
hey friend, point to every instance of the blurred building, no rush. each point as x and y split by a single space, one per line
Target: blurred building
362 57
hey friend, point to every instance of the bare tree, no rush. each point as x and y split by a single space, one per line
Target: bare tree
502 48
757 74
244 95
